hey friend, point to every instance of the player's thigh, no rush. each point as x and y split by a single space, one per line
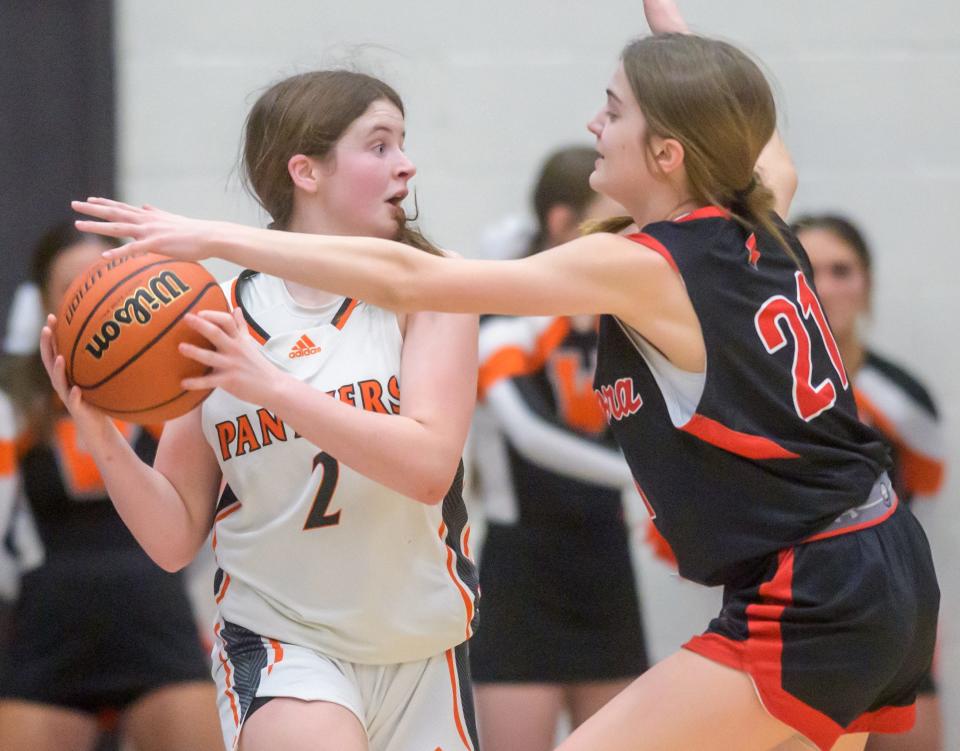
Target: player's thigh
583 700
518 715
181 716
31 726
925 735
296 725
685 701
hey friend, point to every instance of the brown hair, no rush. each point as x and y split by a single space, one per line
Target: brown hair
716 102
307 114
564 180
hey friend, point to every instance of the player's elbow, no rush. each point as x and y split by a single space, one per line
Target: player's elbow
434 482
172 558
170 562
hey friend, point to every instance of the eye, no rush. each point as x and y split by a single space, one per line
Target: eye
380 148
611 115
841 270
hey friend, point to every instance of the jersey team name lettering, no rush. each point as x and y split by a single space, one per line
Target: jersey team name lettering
160 290
619 400
248 433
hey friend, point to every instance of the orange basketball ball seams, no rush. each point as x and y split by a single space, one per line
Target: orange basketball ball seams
118 330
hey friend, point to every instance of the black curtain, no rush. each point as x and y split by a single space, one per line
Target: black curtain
56 120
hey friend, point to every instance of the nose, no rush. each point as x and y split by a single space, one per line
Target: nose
405 168
595 125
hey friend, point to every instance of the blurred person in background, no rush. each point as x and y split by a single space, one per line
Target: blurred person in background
889 398
98 634
561 621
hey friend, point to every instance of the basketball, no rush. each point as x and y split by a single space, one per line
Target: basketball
118 330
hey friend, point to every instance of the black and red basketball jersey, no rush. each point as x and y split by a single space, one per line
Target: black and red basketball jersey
772 450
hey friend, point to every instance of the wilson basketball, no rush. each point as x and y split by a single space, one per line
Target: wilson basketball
118 330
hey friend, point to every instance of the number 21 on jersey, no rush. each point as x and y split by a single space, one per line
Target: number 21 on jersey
808 400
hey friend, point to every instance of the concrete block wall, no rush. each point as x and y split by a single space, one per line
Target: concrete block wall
869 95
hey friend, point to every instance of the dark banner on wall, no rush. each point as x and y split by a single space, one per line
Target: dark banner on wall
56 120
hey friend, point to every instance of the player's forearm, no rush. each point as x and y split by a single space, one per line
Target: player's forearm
373 270
778 173
664 17
393 450
147 502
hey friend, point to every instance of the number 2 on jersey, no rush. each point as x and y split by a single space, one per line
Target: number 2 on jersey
808 400
318 516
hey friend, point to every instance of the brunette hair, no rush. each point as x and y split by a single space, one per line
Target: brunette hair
564 180
714 100
307 114
844 229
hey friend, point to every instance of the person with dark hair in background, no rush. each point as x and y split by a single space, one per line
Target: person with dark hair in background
889 398
561 621
98 632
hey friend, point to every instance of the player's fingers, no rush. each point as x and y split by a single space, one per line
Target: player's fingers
129 250
209 330
100 200
110 229
201 383
58 378
209 357
108 212
48 348
226 321
74 398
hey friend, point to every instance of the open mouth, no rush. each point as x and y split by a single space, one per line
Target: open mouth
398 198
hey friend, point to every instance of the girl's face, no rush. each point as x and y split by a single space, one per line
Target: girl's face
368 174
67 266
841 278
622 170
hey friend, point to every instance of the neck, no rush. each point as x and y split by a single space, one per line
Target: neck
852 352
669 205
301 293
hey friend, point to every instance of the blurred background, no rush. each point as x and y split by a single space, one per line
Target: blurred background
145 101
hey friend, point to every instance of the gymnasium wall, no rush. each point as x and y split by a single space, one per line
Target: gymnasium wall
869 95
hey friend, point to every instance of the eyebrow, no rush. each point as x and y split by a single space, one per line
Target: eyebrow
386 129
613 96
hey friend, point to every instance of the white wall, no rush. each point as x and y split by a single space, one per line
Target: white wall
869 95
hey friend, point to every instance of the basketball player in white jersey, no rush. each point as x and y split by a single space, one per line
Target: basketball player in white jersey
345 588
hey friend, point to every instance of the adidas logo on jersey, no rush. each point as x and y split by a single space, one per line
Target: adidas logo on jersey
303 348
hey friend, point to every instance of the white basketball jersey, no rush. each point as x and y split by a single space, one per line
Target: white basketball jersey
309 551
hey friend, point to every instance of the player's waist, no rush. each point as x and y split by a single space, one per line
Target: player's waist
881 502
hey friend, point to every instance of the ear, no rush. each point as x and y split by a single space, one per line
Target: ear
667 153
304 172
561 223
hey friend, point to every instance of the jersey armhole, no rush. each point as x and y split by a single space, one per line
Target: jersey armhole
651 243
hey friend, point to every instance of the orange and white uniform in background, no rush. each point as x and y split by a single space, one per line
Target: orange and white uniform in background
331 586
893 402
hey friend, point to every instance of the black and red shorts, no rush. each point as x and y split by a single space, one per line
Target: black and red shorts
837 633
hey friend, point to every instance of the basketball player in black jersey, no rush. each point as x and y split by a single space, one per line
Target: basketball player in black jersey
725 390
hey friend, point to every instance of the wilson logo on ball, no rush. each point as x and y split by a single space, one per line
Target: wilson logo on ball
159 291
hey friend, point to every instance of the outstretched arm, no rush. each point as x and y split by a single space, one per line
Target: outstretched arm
664 17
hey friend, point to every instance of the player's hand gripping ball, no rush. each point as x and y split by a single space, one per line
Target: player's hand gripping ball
118 330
